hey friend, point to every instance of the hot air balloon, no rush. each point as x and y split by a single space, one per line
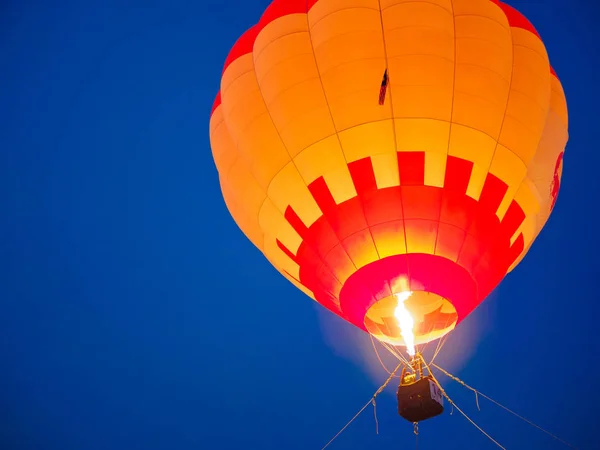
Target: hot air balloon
391 156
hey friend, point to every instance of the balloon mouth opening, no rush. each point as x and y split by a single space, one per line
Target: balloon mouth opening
433 316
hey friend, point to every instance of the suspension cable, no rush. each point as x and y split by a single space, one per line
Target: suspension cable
379 356
477 393
371 401
439 347
460 410
394 351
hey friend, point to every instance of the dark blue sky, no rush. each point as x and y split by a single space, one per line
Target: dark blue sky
131 305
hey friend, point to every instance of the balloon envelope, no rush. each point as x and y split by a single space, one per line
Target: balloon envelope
373 147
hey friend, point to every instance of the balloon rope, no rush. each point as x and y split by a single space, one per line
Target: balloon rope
371 401
501 406
379 356
460 410
439 347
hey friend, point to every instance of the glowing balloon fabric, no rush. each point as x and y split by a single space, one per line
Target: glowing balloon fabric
372 147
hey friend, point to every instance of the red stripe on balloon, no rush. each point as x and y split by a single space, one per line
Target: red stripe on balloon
411 166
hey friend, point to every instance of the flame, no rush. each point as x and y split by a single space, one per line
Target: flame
406 322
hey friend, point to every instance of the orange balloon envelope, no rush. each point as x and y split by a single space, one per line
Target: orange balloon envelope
374 147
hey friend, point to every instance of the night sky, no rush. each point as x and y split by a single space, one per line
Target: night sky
133 312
